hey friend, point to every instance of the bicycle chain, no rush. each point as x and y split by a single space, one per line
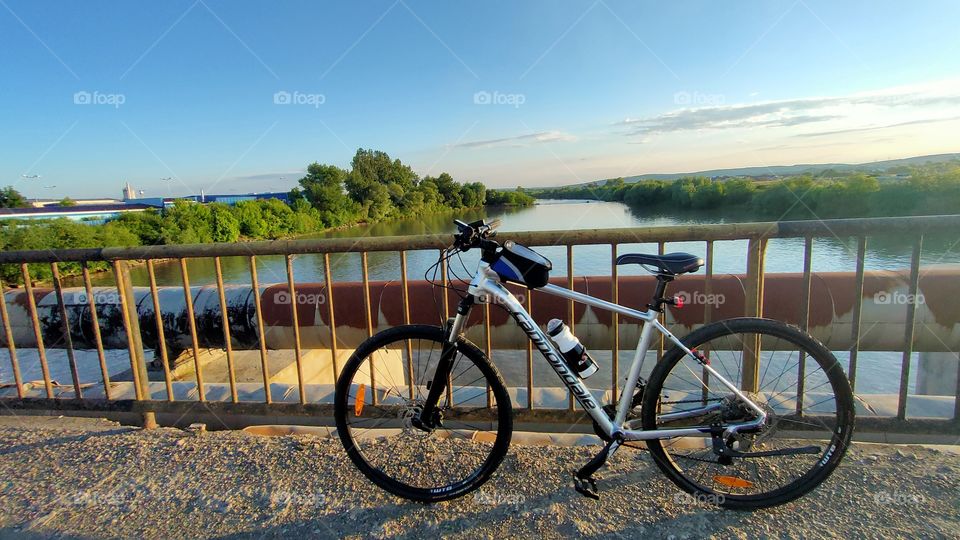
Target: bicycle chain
690 401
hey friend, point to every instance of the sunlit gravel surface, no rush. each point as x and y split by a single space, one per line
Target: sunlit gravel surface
98 480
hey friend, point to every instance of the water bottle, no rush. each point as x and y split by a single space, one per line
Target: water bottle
576 357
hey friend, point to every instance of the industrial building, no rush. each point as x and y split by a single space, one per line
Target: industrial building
97 211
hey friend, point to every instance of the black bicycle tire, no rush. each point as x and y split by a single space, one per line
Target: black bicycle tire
815 350
493 378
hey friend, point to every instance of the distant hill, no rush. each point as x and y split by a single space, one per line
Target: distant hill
790 170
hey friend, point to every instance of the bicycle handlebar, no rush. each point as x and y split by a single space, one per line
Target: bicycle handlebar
474 234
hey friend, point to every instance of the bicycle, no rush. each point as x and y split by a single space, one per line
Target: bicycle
713 422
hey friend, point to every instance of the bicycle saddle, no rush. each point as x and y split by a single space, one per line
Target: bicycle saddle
671 263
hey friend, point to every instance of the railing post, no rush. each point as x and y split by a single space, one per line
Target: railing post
753 302
225 319
261 334
571 312
65 325
529 306
909 330
857 315
37 331
11 346
804 319
707 316
406 320
615 326
131 324
295 321
192 325
445 280
328 284
368 311
95 326
661 249
161 337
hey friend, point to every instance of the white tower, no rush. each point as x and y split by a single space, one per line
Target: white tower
129 192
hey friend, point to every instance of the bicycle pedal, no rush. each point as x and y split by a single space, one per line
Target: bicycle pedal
586 487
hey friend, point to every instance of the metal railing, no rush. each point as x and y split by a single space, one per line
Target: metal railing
756 234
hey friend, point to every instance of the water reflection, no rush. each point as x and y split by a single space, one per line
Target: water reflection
887 252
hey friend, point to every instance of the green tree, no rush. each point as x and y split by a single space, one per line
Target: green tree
305 218
11 198
508 198
250 216
474 194
450 190
146 225
709 195
278 217
323 186
187 222
116 234
224 225
738 191
67 201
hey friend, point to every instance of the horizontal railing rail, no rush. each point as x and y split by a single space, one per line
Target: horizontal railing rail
685 233
242 397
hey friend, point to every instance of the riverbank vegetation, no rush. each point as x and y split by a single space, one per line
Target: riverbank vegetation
922 190
376 188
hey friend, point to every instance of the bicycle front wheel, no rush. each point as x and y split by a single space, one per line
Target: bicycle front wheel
384 386
796 381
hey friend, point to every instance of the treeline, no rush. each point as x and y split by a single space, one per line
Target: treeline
509 198
375 188
933 189
687 193
185 222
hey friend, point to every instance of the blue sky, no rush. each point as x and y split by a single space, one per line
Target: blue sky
240 96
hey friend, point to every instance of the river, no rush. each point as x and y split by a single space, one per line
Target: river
783 254
880 370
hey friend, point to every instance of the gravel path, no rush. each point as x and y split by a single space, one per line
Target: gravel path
99 480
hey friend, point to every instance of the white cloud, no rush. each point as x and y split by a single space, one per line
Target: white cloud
520 140
878 127
797 112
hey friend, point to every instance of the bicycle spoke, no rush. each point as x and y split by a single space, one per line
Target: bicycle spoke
385 434
682 389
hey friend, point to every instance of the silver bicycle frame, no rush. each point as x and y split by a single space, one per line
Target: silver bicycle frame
487 288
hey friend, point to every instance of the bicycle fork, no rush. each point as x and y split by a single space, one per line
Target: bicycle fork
430 417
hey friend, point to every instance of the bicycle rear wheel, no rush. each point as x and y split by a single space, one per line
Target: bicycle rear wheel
797 382
383 387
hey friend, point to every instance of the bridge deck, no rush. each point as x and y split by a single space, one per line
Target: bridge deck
95 479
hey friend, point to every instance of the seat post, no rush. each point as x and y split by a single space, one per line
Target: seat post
661 290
